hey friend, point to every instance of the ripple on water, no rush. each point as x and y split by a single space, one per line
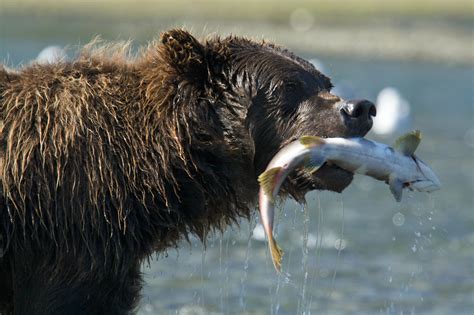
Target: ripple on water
398 219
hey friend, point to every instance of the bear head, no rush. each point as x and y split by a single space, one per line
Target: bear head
264 97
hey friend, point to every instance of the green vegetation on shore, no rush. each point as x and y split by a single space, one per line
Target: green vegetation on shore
270 10
436 30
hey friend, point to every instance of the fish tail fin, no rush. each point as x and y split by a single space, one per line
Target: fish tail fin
267 181
276 252
311 141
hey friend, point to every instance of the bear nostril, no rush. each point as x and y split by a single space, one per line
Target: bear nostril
373 111
347 109
360 109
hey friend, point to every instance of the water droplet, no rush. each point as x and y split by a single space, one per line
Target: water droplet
394 238
398 219
390 279
324 272
433 228
418 234
258 233
429 218
419 269
413 248
301 20
340 244
312 241
148 308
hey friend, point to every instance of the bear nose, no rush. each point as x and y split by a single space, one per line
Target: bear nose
361 109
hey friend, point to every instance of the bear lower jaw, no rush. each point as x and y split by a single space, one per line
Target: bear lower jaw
332 178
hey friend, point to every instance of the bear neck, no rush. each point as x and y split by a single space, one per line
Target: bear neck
202 149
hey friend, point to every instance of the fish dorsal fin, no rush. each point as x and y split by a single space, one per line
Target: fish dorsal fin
267 181
408 143
311 141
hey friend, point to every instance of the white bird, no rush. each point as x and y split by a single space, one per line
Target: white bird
51 54
393 113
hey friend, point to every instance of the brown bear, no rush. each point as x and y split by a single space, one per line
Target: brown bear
109 158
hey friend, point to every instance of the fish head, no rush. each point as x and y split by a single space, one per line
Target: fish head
328 116
426 180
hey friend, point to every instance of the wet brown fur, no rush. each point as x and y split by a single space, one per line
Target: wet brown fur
111 157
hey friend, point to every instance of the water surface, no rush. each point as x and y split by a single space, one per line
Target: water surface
358 252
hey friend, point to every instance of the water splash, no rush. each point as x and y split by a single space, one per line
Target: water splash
244 277
224 272
275 296
304 261
333 280
203 263
319 242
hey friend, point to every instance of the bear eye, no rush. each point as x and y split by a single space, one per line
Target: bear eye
291 87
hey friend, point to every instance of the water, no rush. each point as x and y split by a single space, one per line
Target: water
355 253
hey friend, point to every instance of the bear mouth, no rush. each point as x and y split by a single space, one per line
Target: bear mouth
327 177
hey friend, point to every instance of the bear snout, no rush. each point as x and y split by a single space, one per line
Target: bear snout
357 115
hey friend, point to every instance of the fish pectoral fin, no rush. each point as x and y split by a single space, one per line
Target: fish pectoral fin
276 252
311 141
396 187
267 180
408 143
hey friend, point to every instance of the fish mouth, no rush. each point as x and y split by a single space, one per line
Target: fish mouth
425 185
327 177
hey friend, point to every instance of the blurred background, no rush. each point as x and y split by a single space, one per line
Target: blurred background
358 252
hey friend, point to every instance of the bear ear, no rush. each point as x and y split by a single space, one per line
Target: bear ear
184 53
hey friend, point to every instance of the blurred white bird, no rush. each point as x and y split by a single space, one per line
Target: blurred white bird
51 54
393 113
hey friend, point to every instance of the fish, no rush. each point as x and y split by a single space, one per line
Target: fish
398 166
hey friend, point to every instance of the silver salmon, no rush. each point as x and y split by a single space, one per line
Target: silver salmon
398 166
